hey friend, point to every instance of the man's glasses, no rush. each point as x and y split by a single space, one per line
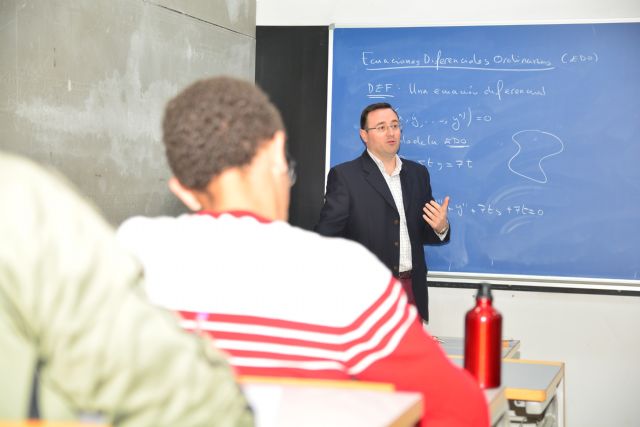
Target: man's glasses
382 128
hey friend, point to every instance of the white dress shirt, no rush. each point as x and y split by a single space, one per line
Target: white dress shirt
395 186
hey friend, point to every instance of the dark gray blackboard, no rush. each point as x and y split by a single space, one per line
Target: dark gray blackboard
533 130
291 66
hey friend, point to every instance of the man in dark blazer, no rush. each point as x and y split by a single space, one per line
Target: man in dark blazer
385 203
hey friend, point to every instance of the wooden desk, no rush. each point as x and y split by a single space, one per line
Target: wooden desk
454 346
496 401
310 403
531 387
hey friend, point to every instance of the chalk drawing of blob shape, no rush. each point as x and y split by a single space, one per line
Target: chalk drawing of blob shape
534 146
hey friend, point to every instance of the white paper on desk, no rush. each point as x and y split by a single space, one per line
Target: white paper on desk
265 401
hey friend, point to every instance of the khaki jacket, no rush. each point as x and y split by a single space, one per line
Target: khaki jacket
71 303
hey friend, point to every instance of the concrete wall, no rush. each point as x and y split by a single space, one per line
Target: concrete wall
83 85
596 335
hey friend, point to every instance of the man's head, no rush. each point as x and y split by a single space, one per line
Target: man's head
223 136
380 130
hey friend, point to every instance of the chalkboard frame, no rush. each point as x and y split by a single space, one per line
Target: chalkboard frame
507 281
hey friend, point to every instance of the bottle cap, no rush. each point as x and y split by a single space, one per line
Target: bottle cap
484 291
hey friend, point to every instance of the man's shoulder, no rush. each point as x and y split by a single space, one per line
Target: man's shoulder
336 247
350 165
336 271
140 224
342 257
141 233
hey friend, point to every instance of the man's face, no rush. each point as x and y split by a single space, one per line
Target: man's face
383 144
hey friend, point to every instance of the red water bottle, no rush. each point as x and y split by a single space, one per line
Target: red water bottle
483 340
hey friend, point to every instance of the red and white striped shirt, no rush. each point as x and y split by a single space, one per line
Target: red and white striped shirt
282 301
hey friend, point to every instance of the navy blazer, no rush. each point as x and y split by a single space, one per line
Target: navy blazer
359 206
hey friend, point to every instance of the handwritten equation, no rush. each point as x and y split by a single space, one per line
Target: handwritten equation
444 165
487 209
456 121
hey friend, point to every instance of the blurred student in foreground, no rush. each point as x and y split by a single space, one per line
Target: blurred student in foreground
280 300
77 336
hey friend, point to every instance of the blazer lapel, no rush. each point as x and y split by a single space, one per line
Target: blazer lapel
408 191
407 188
374 177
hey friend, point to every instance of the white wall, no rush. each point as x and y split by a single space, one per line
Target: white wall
403 12
596 336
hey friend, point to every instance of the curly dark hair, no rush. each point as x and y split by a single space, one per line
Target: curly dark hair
216 124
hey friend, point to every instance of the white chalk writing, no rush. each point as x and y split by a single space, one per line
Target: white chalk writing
439 165
438 60
487 209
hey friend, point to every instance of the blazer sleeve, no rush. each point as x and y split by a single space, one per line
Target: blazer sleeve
334 215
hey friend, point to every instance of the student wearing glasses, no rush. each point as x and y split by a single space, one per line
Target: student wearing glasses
385 203
279 300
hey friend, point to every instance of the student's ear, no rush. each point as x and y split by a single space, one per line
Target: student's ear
185 195
278 146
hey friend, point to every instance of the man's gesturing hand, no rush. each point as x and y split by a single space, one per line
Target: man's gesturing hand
436 215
